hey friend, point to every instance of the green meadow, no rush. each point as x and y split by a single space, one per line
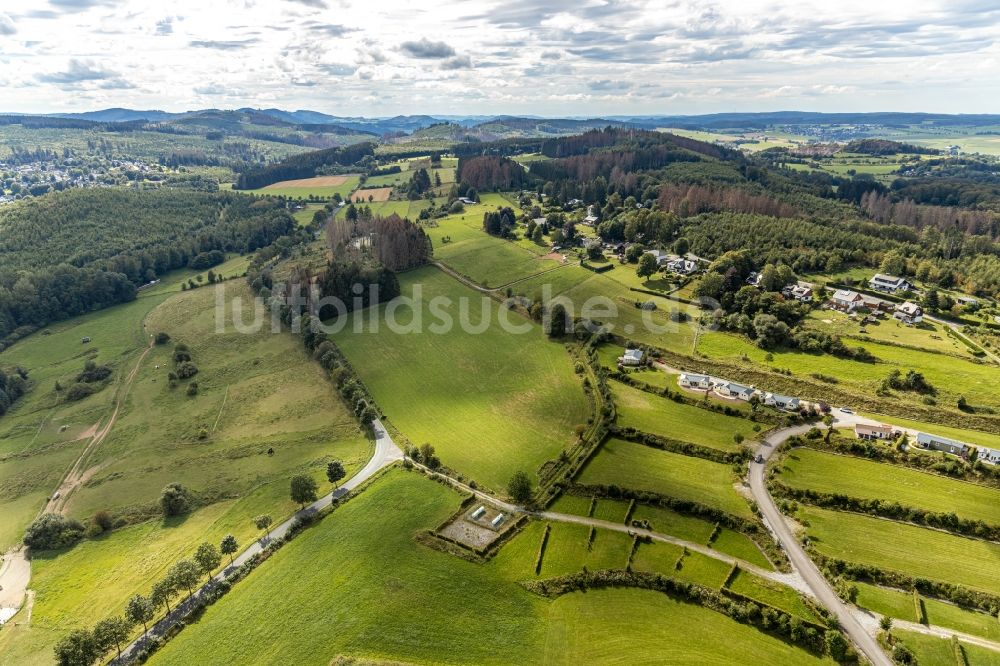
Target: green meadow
355 584
773 594
899 604
936 650
900 547
856 477
676 420
491 403
636 466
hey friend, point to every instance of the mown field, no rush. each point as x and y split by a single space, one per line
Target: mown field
773 594
322 187
903 548
856 477
640 467
491 402
936 650
676 420
355 584
256 392
899 604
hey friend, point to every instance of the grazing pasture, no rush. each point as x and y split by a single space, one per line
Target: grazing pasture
773 594
899 604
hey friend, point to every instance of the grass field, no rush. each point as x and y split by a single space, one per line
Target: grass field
43 434
604 627
256 392
934 650
640 467
899 604
903 548
491 403
322 187
375 580
951 376
677 420
830 473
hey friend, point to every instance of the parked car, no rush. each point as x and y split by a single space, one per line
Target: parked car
847 410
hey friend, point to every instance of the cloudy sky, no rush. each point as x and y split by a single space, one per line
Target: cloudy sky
544 57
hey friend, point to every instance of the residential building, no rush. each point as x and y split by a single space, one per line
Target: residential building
734 390
632 357
938 443
877 431
661 257
799 292
785 402
888 283
909 313
846 300
682 266
695 381
988 456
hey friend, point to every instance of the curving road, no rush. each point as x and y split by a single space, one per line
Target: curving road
798 557
386 453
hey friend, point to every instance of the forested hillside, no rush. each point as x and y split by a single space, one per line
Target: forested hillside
73 252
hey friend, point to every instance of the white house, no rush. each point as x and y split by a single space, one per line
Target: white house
909 313
800 293
938 443
878 431
754 279
781 401
846 300
695 381
734 390
631 357
888 283
988 456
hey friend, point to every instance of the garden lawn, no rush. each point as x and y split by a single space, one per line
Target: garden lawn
856 477
491 403
640 467
645 627
903 548
676 420
969 436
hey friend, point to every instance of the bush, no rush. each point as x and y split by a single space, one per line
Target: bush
186 370
79 391
51 531
192 389
175 500
162 338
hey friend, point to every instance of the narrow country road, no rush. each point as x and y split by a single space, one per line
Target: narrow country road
800 560
386 453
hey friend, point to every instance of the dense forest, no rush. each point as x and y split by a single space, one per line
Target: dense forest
392 241
305 165
490 173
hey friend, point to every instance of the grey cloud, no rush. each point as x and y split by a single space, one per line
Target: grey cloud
315 4
458 62
608 85
165 27
80 5
334 69
223 45
426 49
7 26
78 71
330 29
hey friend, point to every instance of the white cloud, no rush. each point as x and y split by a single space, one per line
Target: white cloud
545 57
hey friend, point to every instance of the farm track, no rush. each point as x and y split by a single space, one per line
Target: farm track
489 290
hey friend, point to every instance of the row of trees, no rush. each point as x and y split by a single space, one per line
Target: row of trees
305 165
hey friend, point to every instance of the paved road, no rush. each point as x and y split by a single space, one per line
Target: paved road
801 562
386 453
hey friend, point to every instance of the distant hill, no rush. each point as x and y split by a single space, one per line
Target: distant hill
118 115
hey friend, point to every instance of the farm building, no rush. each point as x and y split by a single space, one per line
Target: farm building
888 283
631 357
695 381
878 431
938 443
988 456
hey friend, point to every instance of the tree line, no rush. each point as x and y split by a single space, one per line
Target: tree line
305 165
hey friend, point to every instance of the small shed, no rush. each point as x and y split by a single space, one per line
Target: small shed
496 521
478 513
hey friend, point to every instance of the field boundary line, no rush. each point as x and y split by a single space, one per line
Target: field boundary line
225 397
